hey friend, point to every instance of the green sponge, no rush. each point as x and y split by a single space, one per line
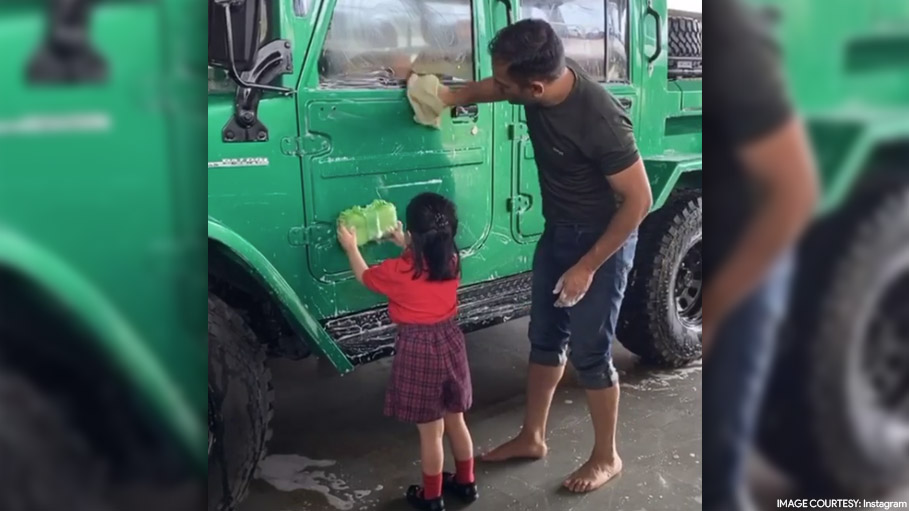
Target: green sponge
371 222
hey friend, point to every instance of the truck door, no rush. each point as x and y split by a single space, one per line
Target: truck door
359 141
596 35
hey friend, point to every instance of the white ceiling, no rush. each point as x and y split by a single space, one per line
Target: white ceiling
685 5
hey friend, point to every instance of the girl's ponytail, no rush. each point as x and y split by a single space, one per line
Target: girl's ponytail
433 224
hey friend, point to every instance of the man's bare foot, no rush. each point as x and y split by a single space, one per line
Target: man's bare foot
520 447
593 474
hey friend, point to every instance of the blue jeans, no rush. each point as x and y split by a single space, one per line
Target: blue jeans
735 375
582 333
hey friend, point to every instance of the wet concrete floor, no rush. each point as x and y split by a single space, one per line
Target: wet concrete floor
333 449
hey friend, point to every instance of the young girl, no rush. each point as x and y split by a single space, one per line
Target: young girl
430 381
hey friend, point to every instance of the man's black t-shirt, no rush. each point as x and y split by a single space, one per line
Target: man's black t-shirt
576 144
744 99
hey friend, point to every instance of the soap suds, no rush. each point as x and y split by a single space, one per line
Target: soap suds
290 472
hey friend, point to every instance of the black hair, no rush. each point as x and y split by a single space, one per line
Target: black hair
432 221
532 50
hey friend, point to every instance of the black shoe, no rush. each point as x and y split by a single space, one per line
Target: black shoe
418 501
465 492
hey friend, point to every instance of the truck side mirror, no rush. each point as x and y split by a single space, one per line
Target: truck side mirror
233 34
66 56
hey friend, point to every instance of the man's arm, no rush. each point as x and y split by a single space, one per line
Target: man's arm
632 188
781 163
483 91
753 109
634 201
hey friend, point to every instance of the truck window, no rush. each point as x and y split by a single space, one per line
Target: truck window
301 7
594 33
376 43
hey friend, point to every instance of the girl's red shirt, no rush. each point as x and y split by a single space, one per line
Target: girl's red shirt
412 301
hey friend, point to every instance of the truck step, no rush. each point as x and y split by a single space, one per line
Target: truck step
369 335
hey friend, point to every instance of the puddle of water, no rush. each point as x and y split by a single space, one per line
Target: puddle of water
290 472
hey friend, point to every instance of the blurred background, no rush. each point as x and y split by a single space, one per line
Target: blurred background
102 281
835 418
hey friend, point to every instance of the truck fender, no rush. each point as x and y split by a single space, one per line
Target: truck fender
665 173
115 337
300 318
842 169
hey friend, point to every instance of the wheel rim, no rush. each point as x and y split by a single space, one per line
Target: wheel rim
688 285
880 368
886 354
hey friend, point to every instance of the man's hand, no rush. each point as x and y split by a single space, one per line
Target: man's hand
447 97
719 308
573 285
347 237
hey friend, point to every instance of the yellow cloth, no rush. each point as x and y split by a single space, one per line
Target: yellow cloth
423 94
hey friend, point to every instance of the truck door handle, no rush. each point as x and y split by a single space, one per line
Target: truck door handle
465 112
650 11
625 102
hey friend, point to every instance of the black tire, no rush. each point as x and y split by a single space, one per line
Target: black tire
651 324
684 37
685 47
241 405
826 406
45 464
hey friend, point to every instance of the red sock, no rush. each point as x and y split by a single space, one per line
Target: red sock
464 473
432 486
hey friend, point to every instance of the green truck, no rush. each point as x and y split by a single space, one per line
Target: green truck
308 116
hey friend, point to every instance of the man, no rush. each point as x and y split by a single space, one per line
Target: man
595 193
763 190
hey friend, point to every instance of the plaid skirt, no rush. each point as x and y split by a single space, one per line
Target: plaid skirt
429 373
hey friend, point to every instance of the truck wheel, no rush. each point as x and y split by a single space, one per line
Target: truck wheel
240 405
836 415
46 463
661 313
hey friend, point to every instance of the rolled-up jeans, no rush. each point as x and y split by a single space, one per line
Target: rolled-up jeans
735 375
582 333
